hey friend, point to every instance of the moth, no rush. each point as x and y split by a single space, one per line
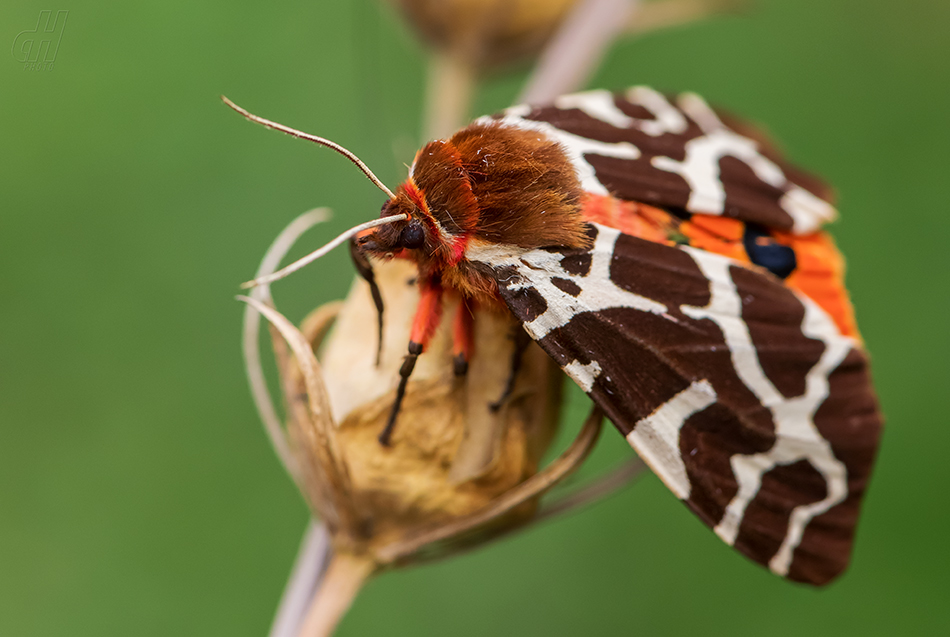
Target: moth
675 267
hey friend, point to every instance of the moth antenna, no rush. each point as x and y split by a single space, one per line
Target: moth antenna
316 254
313 138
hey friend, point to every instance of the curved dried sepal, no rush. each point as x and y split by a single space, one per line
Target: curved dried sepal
326 485
317 324
597 489
251 345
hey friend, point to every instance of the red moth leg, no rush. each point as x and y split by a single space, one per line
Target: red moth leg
428 316
463 337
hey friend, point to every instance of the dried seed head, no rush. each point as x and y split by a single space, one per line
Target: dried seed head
451 455
486 33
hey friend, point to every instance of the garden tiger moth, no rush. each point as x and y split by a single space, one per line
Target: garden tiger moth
674 266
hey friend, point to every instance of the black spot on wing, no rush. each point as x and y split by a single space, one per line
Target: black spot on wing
567 286
576 261
577 264
765 252
526 303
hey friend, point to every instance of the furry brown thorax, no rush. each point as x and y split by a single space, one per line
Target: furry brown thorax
487 183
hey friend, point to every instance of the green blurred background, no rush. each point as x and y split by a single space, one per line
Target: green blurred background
138 493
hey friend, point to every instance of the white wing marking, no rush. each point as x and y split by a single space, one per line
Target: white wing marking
700 168
583 375
538 267
797 438
808 211
601 105
668 118
574 146
700 112
657 437
597 104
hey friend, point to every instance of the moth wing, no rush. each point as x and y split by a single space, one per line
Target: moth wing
679 153
741 395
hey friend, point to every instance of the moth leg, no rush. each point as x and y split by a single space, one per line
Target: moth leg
463 341
428 315
365 270
521 339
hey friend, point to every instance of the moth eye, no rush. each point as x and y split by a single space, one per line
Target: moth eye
412 236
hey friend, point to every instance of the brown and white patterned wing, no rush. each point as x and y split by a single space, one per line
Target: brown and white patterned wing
641 146
742 396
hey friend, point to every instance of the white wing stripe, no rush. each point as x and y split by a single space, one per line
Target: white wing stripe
583 375
656 438
537 269
700 168
797 438
574 146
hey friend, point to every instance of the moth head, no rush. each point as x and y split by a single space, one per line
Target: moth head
406 227
396 212
412 233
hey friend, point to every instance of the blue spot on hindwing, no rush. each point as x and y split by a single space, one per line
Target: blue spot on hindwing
764 251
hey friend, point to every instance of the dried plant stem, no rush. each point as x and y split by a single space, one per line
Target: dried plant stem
448 95
599 489
343 579
533 487
307 573
570 58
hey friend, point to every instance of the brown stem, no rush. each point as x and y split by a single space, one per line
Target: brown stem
596 490
343 580
563 466
575 51
448 96
306 575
